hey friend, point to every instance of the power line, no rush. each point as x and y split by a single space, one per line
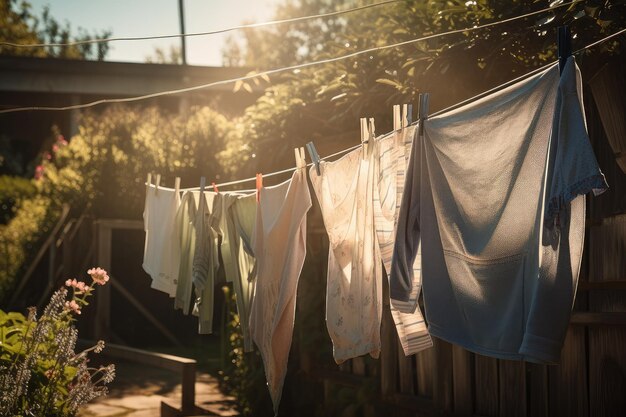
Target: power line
278 70
212 32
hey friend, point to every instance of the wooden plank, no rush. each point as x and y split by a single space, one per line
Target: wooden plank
442 382
611 285
405 372
604 318
537 390
512 388
486 383
607 344
607 371
424 362
419 406
462 381
388 356
358 366
568 396
121 224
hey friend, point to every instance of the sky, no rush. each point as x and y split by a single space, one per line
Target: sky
159 17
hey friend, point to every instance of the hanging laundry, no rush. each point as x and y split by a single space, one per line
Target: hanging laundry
161 252
391 154
279 245
238 224
205 261
185 233
344 190
498 278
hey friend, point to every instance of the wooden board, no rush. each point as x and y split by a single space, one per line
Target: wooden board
406 371
568 380
537 376
424 362
442 381
486 383
388 356
462 382
512 387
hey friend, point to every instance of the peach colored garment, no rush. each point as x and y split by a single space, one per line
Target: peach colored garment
279 245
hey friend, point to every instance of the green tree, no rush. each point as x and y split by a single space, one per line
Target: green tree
324 102
19 25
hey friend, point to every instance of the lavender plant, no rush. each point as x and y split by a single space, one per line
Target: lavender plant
40 372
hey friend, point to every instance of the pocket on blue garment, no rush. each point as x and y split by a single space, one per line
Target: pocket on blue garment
490 296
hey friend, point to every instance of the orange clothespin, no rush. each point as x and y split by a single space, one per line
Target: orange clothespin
214 187
259 185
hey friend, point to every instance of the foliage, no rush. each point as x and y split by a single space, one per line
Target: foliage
19 25
40 373
20 238
103 168
243 373
114 150
12 191
163 56
324 102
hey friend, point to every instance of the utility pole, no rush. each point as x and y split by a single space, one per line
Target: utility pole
183 48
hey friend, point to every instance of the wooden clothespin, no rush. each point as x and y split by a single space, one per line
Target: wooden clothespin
214 188
149 179
202 184
300 157
157 183
364 136
372 131
407 110
422 111
177 185
259 185
314 156
396 117
564 45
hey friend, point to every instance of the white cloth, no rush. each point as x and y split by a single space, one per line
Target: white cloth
185 233
498 279
344 190
205 261
279 245
391 154
161 250
240 218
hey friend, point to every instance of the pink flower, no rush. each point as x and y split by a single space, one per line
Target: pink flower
47 156
72 306
38 172
61 140
79 286
55 147
99 275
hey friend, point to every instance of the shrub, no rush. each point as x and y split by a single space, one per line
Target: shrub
12 191
40 374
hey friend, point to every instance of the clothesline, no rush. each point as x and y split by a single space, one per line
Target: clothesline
212 32
283 69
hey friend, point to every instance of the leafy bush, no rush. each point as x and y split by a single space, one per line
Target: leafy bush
21 237
40 374
12 191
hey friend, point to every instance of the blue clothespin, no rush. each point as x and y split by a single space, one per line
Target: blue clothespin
409 114
422 111
314 156
564 45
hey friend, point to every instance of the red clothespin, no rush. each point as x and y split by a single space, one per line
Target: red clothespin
259 185
214 187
